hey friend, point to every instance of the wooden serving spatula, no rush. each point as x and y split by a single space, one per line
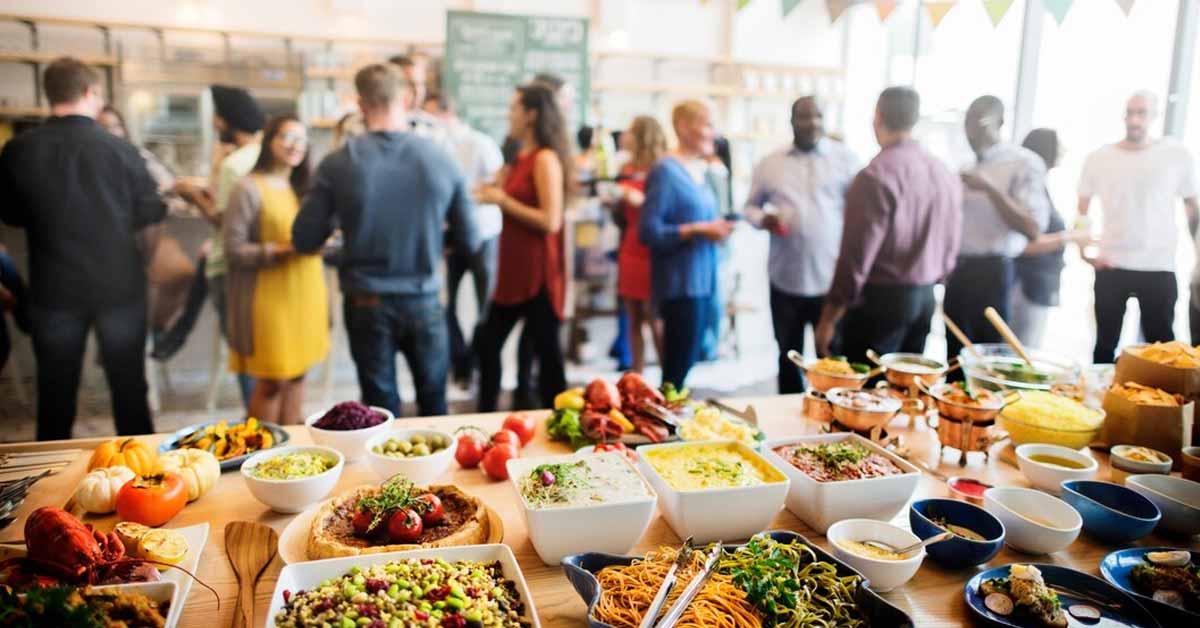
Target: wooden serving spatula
250 547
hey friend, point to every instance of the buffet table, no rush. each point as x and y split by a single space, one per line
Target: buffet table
934 597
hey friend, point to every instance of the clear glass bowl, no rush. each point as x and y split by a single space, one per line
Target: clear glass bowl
995 366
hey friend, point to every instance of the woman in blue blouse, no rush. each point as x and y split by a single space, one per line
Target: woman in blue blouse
680 224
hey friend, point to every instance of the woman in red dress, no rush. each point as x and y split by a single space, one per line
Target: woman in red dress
531 278
646 143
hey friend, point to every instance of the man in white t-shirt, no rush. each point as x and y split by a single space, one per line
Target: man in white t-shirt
1138 180
478 155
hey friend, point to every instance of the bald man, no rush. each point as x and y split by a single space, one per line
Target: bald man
1005 206
1138 181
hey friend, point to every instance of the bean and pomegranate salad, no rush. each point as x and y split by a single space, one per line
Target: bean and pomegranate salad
413 592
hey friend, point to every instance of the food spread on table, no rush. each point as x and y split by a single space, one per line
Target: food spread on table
700 466
1146 395
410 592
1174 353
349 415
838 461
869 551
599 479
1141 454
964 394
396 516
295 465
957 530
226 441
709 423
838 366
414 446
1039 410
1024 592
80 607
1170 577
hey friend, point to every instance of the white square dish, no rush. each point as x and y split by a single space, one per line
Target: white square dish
821 504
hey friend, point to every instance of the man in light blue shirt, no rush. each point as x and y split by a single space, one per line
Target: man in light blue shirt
798 195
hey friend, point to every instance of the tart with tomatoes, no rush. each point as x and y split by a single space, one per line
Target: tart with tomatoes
396 516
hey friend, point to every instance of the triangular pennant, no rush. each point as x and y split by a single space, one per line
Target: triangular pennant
885 8
1125 5
938 10
836 8
741 4
1058 8
996 9
789 6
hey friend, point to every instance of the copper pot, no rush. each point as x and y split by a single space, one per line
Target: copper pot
928 370
964 435
824 382
955 411
862 411
816 407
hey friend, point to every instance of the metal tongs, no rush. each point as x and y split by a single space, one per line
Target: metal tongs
693 589
664 590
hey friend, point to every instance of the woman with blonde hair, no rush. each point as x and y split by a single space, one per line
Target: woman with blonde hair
646 143
680 224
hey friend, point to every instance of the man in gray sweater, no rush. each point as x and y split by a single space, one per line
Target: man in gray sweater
391 193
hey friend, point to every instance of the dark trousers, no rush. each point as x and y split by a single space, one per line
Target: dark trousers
482 266
1156 292
380 325
791 314
888 319
541 327
59 339
684 322
1194 320
975 284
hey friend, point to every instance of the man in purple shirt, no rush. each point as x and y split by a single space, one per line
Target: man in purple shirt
902 231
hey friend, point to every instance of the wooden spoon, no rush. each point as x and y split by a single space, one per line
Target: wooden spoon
1006 332
958 333
250 547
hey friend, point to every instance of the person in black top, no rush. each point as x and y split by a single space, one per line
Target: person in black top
90 212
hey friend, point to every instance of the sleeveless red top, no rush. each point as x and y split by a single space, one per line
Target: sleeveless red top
633 257
530 260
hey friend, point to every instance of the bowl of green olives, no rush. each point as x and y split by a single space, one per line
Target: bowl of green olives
421 455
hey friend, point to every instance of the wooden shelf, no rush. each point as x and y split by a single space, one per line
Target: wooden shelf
664 88
47 57
341 74
23 112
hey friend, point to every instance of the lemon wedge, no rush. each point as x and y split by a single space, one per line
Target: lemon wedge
164 546
131 535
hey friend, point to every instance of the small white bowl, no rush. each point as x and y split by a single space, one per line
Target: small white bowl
1034 522
1049 477
884 575
292 496
349 442
420 470
612 527
1177 498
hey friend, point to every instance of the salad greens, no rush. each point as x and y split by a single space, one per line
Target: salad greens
565 425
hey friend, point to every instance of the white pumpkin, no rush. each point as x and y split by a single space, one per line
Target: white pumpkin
97 491
199 469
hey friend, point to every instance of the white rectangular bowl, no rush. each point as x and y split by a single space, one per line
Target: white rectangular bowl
716 514
612 528
821 504
310 574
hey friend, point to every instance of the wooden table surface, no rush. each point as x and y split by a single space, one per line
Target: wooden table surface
933 597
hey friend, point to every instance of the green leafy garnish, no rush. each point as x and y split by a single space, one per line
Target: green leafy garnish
564 425
966 388
396 494
860 368
671 395
49 606
836 455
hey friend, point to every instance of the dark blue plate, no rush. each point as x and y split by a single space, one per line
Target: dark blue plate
1131 612
278 434
1116 568
581 569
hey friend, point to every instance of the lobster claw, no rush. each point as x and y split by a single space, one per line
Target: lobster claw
111 547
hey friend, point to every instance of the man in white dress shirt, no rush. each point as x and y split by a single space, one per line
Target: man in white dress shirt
798 195
1138 180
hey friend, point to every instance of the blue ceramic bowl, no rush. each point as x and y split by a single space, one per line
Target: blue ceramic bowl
957 552
1111 512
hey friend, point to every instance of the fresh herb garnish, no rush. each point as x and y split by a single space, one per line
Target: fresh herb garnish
966 388
733 472
836 455
396 493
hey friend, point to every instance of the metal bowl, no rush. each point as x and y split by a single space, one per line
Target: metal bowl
824 382
899 374
848 409
955 411
816 407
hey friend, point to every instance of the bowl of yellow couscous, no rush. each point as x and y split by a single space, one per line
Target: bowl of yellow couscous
1043 417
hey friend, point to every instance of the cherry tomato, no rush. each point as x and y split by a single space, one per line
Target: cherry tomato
433 513
506 436
152 499
405 526
496 457
469 451
362 522
523 424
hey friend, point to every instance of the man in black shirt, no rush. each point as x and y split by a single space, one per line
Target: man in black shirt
90 212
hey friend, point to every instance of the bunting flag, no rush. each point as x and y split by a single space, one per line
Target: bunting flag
938 10
836 8
996 9
789 6
885 8
1125 5
1058 8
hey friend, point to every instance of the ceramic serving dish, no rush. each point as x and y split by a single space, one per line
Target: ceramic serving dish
1118 609
1122 466
1111 512
581 570
278 435
884 575
1049 477
820 504
352 443
296 494
1034 522
1117 568
422 470
1177 498
958 552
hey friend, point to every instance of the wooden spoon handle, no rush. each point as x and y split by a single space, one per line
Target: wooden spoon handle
244 615
1006 332
958 333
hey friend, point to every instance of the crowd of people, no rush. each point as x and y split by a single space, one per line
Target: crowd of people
855 250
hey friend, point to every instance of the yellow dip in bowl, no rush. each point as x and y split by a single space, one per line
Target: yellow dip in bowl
711 465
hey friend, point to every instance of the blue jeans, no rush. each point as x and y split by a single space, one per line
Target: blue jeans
684 322
415 325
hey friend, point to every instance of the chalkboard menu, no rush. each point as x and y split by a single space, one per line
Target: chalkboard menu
488 54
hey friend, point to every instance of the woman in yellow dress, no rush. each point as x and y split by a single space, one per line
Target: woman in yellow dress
277 306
